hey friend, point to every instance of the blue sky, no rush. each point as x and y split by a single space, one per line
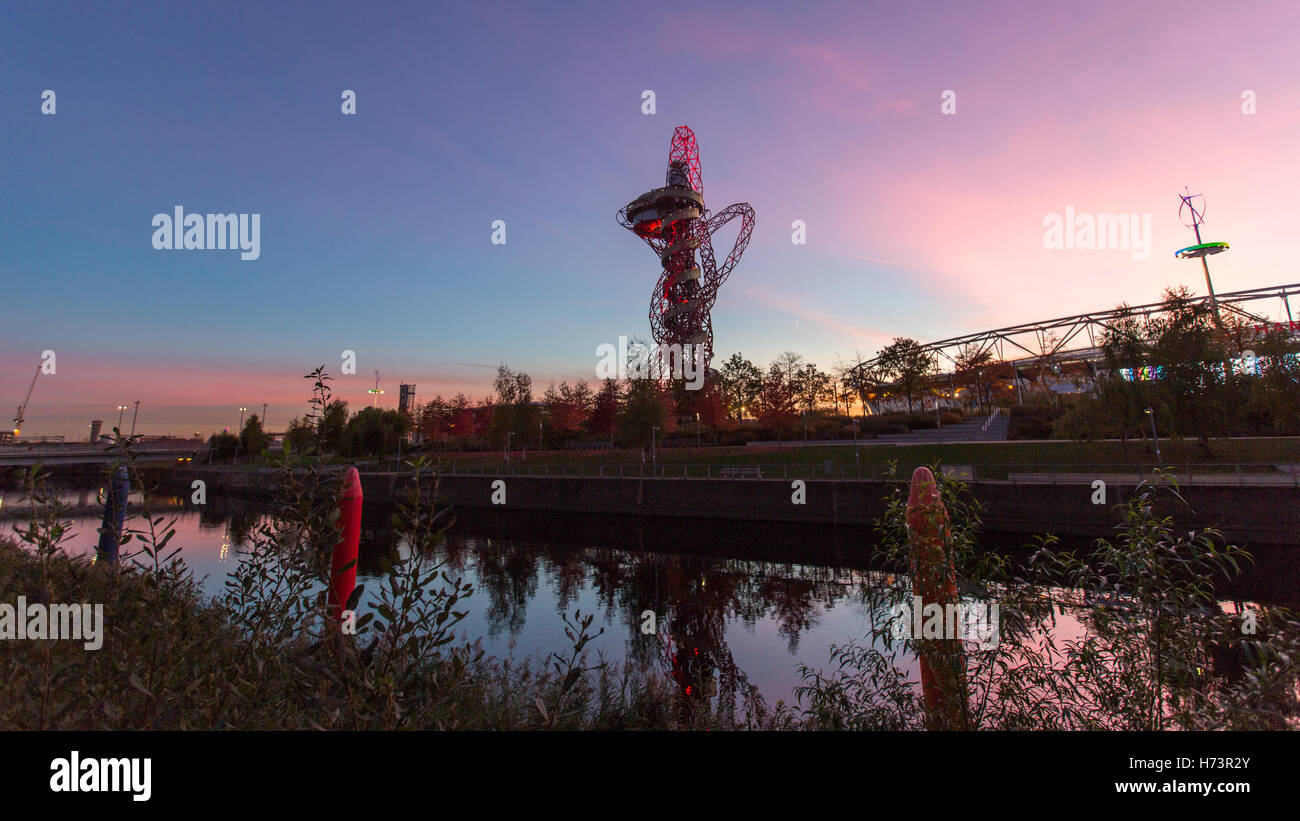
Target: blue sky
375 228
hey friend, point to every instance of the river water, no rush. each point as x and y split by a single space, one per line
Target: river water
762 597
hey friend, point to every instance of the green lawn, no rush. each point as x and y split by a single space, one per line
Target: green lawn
991 460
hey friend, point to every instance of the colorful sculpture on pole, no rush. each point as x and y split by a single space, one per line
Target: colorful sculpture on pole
1201 249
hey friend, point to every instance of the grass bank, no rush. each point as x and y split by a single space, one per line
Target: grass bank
1153 650
993 460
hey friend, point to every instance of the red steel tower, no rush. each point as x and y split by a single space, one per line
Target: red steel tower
675 224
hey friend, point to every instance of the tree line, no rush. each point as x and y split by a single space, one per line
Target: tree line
623 413
1178 362
1190 366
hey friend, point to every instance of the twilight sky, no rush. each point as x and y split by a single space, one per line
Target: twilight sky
376 228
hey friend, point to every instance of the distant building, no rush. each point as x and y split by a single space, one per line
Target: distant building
95 426
406 399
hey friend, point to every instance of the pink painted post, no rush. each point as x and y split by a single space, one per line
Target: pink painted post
934 579
343 579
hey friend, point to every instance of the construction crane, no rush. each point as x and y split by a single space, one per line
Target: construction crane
22 409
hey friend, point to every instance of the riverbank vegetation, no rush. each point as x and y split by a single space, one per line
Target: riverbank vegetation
1129 635
792 399
1199 375
989 460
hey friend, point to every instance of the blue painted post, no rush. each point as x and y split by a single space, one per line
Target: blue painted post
114 516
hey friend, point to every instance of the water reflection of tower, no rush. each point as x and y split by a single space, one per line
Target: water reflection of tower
699 661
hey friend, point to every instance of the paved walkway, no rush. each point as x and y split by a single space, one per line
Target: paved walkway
983 429
987 429
1221 479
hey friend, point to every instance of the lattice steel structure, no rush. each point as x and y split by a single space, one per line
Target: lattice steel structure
1079 337
675 223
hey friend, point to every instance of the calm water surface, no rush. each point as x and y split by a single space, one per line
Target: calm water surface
761 597
765 615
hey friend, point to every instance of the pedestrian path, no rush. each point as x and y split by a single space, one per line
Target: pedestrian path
984 429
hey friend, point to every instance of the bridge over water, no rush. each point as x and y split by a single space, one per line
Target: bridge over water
85 453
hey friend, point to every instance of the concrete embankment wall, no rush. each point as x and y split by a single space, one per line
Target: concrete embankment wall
1264 514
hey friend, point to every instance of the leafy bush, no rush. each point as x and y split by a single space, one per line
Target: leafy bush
269 652
374 432
1154 651
878 425
223 446
1033 421
922 421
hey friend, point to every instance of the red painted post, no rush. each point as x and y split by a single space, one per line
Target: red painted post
342 581
934 579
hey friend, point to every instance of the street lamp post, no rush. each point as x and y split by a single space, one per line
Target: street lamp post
698 441
654 446
134 415
1155 436
509 435
856 460
121 409
239 430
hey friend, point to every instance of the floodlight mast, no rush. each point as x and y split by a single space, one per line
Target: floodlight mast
1201 249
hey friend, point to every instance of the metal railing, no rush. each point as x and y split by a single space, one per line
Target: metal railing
1220 473
989 421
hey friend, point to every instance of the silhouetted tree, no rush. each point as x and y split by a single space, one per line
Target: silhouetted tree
373 432
605 409
252 439
906 363
332 422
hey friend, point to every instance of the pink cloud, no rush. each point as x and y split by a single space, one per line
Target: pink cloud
851 333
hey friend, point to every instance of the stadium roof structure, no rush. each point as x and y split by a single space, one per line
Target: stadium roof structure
1080 336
